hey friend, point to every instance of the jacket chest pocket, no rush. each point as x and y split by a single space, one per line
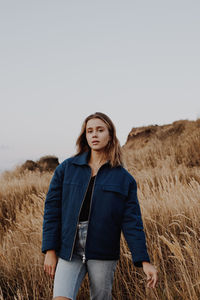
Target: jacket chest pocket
113 190
113 201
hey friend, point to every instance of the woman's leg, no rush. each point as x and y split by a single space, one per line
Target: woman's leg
101 276
70 274
68 277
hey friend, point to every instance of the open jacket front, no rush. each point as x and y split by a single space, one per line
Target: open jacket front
114 208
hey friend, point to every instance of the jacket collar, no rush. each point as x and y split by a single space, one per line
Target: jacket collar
82 159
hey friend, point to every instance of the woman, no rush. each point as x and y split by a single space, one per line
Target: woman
91 199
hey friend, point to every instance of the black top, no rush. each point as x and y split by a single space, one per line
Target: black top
86 204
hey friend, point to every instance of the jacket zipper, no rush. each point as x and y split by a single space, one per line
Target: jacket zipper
84 257
78 217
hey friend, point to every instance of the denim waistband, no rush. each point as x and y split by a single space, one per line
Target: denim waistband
82 223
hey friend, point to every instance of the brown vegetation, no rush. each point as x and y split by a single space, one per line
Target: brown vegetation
45 163
165 162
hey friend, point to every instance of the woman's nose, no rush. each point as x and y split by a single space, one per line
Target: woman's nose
94 134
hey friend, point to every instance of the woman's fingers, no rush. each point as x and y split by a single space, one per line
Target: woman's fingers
155 278
152 274
50 270
52 273
152 280
46 269
149 281
50 263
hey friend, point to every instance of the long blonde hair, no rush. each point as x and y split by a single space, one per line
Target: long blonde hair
113 150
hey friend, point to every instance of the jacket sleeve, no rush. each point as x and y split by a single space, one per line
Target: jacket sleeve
52 212
132 227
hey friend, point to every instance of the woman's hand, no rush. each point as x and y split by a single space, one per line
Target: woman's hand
151 272
50 262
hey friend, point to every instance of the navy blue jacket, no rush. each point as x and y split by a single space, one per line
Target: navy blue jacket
114 208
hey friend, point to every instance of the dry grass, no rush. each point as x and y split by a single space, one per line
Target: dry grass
166 168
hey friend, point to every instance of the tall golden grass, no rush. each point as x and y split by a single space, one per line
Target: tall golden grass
166 165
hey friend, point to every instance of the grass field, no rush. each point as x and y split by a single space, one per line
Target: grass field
165 161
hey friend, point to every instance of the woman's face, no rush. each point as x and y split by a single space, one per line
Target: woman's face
97 130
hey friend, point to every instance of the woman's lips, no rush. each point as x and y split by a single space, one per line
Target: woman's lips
95 142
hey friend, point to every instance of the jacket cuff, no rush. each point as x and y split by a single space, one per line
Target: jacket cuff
139 263
49 245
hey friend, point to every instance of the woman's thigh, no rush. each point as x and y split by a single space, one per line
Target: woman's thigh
70 274
68 277
101 276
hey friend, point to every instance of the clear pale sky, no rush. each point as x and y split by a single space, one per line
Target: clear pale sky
136 61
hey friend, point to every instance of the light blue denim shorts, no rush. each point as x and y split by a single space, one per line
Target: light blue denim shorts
70 274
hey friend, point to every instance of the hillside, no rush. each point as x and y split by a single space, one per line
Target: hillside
180 140
165 161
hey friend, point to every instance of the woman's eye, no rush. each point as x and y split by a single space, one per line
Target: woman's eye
98 130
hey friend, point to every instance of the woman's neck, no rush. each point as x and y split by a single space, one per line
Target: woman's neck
97 158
